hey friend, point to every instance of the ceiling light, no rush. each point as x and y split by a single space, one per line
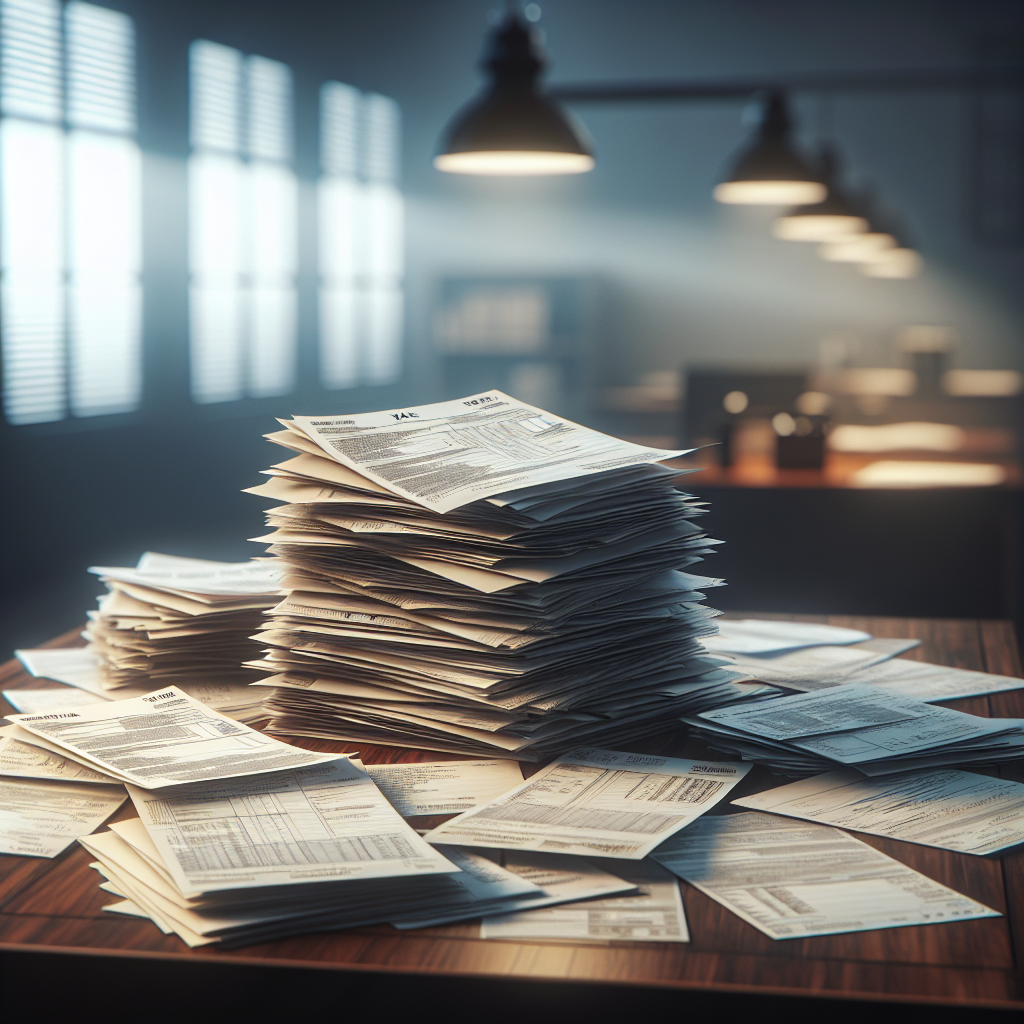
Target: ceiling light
832 219
900 262
513 129
769 171
864 248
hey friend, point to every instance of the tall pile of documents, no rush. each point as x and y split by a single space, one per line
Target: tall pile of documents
483 577
172 620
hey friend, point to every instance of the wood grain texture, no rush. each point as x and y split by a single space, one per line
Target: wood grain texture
57 905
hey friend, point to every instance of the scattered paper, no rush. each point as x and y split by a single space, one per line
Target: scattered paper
41 819
654 914
766 636
601 802
32 762
30 702
443 787
790 879
950 809
164 739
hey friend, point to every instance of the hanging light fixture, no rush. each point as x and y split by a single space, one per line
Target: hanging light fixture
897 262
833 219
770 172
513 128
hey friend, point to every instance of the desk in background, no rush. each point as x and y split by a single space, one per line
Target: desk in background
54 907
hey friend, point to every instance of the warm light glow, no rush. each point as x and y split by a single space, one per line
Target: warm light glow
877 380
783 424
818 227
735 402
894 263
813 403
864 248
892 437
514 163
771 193
983 383
890 473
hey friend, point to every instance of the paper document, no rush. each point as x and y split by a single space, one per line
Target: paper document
950 809
766 636
653 914
40 819
449 454
598 802
793 879
164 739
819 666
444 787
30 702
75 666
32 762
196 575
320 824
918 679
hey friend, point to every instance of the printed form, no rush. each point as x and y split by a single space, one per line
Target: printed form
325 823
599 802
443 787
790 879
950 809
449 454
164 739
41 819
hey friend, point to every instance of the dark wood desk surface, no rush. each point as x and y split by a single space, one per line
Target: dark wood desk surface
55 905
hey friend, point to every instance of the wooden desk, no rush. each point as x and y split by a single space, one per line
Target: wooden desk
54 906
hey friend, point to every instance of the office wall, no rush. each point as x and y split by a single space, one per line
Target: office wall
690 281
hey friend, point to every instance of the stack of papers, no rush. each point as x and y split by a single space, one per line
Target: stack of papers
170 620
482 577
792 879
875 731
78 667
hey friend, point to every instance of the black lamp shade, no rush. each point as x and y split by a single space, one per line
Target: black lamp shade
513 128
770 171
831 220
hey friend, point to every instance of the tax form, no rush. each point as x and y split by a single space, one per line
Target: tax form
653 914
443 787
599 802
324 823
918 679
448 454
31 762
793 879
950 809
163 739
41 819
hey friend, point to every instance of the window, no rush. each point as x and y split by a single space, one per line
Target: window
70 221
243 248
360 229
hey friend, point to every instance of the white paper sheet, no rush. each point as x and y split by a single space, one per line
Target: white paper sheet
950 809
449 454
325 823
653 914
766 636
918 679
30 702
196 575
598 802
443 787
30 762
793 879
165 739
40 819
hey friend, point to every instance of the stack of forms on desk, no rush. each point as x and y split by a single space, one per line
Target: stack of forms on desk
172 621
450 611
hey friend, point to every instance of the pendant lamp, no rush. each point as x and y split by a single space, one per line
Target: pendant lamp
769 172
513 128
831 220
